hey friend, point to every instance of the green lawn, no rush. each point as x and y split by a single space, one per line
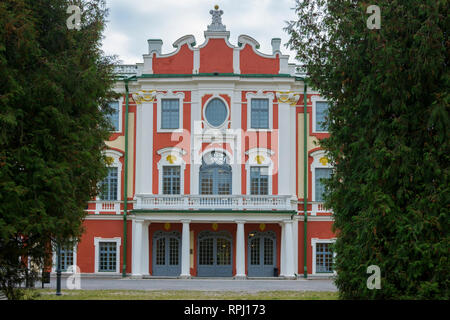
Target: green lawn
47 294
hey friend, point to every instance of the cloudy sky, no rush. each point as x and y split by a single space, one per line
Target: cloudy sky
132 22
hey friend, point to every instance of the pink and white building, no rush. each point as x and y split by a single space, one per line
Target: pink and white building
210 160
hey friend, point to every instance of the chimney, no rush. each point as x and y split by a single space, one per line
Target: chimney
154 45
276 42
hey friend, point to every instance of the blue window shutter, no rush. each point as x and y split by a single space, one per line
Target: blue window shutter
259 114
114 117
170 114
109 185
321 173
321 114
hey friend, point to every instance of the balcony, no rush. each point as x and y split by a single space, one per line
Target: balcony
319 208
105 207
216 202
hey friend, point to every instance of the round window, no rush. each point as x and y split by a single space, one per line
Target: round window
216 112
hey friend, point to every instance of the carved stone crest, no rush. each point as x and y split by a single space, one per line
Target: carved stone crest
216 24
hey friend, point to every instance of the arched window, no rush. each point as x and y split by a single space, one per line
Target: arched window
215 174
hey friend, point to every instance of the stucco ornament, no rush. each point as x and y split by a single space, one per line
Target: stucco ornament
216 24
288 97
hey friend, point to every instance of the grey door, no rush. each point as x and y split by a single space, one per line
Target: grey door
166 253
214 258
262 253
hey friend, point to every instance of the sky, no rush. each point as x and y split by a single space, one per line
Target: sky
132 22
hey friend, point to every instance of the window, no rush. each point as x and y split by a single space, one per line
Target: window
108 256
171 180
259 180
66 258
260 113
114 117
109 185
170 113
324 258
321 173
215 174
321 112
216 112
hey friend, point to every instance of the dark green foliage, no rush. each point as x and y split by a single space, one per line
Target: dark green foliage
390 135
52 130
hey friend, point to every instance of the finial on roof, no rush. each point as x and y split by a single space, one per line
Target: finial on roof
216 24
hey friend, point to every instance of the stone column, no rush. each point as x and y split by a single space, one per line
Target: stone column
283 251
289 251
136 248
145 249
240 251
185 248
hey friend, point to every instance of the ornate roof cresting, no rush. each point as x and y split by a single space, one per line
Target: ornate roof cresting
216 24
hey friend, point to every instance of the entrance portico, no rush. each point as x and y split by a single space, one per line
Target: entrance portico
214 244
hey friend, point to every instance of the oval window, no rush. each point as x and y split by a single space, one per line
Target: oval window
216 112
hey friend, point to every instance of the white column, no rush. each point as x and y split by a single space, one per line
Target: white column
240 251
145 249
284 150
295 243
185 246
283 250
289 253
136 247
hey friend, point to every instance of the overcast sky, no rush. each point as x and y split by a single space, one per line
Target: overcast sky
132 22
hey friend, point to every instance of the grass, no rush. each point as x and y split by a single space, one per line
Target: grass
49 294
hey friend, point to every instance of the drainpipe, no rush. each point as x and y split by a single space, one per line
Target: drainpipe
125 185
305 180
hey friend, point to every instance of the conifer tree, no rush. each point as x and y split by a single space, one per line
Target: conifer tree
389 127
54 86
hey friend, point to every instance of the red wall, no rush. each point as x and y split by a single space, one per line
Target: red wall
103 229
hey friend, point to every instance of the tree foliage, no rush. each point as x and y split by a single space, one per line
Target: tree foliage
389 139
54 88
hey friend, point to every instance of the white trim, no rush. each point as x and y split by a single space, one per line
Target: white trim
314 241
178 162
259 95
316 155
314 100
224 125
97 241
169 95
267 162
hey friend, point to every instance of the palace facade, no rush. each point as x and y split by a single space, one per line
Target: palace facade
207 167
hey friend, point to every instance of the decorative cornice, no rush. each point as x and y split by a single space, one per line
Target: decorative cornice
288 97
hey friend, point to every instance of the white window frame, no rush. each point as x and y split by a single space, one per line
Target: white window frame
315 241
225 123
179 162
97 241
251 162
115 155
259 95
120 100
169 95
55 259
314 100
317 155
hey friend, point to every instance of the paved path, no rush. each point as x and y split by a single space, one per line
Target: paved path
201 284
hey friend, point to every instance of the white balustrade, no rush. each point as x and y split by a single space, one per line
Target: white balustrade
108 207
198 202
319 207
